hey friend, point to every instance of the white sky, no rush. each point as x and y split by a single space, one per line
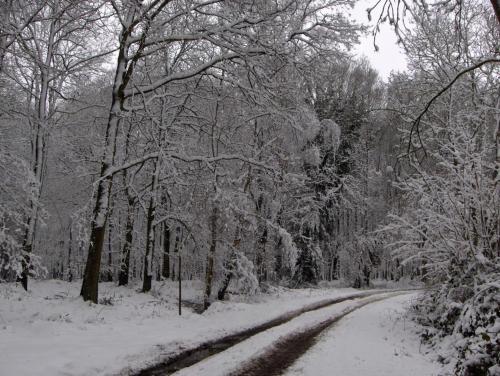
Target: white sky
389 56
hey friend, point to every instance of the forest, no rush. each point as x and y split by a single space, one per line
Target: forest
242 145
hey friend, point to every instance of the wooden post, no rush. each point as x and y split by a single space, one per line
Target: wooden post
180 285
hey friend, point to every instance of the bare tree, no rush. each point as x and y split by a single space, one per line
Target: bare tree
218 32
47 53
15 17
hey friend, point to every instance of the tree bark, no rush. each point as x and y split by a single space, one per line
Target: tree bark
150 243
261 254
496 8
229 264
90 285
211 255
70 248
109 271
165 270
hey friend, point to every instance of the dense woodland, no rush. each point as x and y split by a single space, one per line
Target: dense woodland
240 143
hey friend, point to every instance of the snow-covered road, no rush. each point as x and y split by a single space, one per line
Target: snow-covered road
376 340
371 338
377 337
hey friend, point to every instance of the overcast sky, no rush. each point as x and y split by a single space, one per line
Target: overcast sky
390 56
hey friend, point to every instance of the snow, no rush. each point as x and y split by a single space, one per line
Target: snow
229 361
51 331
376 340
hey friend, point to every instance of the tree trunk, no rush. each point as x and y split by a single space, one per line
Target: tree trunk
229 264
211 255
496 8
495 241
123 274
5 13
127 245
90 285
261 254
165 270
70 245
260 259
176 251
150 243
109 272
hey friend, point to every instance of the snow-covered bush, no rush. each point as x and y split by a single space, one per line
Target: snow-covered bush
244 279
470 317
450 231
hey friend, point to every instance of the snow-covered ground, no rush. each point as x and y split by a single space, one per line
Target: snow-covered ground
236 357
376 340
51 331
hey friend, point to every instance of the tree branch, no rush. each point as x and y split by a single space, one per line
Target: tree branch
416 122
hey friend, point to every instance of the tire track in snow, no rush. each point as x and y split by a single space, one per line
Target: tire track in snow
287 350
189 357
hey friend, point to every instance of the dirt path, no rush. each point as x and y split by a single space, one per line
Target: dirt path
194 355
288 350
